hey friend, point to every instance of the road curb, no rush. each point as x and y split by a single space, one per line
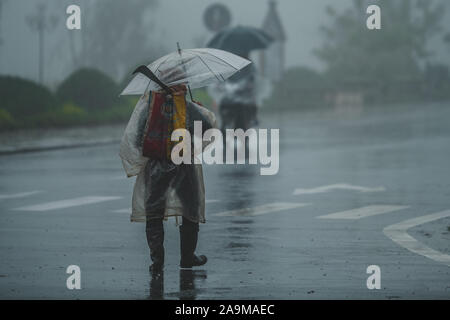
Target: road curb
58 147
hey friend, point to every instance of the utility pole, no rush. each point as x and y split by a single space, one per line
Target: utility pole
41 23
2 3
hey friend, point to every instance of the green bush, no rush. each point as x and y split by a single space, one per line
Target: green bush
87 97
90 89
6 120
117 113
23 98
66 115
69 114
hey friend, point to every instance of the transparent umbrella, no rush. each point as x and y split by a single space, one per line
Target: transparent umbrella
193 67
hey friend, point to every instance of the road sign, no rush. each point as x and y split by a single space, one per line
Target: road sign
216 17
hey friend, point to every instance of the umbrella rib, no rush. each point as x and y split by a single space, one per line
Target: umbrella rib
167 58
210 68
222 60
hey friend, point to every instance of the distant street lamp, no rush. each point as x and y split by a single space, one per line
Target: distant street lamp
217 17
41 23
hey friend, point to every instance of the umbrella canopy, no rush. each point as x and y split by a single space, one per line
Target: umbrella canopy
240 40
193 67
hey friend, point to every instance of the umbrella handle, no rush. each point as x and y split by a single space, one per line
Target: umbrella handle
149 74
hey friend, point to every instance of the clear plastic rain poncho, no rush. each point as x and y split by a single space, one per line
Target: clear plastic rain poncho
163 189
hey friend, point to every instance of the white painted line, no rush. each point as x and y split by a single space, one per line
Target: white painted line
363 212
398 233
211 201
19 195
66 203
341 186
264 209
123 177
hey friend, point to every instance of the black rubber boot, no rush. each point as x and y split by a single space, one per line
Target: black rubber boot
188 243
157 286
154 231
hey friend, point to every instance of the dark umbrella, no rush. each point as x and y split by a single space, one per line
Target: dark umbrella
240 40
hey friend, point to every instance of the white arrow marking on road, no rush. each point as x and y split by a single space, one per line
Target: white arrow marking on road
264 209
19 195
398 233
363 212
342 186
66 203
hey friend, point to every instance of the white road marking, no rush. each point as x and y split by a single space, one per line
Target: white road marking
398 233
19 195
66 203
341 186
363 212
211 201
122 177
126 210
264 209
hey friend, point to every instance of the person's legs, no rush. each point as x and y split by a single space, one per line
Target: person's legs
154 231
188 244
158 177
187 188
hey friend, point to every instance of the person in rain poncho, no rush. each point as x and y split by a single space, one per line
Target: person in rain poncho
237 99
163 189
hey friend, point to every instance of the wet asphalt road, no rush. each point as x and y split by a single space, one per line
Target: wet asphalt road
286 252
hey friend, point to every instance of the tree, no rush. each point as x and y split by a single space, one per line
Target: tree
90 89
447 38
41 22
116 35
395 52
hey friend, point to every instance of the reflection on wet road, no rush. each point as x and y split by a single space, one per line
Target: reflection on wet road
308 232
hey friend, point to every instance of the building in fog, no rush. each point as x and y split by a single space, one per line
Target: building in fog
273 58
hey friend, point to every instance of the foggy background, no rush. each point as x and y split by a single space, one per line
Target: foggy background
323 55
19 50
